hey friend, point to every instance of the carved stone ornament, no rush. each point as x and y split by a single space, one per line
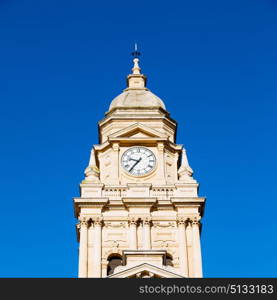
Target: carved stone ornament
195 220
145 274
163 224
133 221
182 220
115 147
146 220
83 222
115 224
98 221
164 243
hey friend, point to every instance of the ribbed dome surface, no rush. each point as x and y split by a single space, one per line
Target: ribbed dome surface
137 98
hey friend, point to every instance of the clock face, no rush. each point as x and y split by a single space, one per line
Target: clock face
138 161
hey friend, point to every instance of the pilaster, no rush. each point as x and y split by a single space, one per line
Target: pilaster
183 256
97 257
133 233
83 247
197 259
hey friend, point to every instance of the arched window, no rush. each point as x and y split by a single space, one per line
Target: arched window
169 260
114 260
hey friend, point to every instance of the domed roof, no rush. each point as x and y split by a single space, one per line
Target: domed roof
137 98
136 95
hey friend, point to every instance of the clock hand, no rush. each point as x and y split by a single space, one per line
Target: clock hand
135 164
133 159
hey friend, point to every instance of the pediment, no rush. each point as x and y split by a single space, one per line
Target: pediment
145 270
137 130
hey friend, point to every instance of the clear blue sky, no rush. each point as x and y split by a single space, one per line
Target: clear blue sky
212 62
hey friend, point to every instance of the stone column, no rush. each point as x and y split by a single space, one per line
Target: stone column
183 255
115 164
90 249
83 248
189 248
161 163
97 258
196 248
133 233
146 234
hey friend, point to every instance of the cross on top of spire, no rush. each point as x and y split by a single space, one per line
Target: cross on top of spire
136 53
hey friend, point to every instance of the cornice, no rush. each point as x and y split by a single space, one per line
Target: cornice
137 141
139 201
97 202
185 200
199 202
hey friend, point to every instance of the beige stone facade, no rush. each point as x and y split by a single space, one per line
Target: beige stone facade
139 214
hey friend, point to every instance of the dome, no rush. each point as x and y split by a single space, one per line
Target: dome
136 94
136 98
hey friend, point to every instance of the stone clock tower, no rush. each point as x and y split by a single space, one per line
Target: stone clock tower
139 211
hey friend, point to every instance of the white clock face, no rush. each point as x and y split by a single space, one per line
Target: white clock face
138 161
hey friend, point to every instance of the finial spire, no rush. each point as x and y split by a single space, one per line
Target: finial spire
185 171
136 80
136 54
92 171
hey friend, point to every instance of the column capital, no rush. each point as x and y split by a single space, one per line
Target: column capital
146 220
182 220
195 220
83 222
98 221
133 220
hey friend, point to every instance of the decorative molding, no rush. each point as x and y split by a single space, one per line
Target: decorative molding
163 243
113 243
115 224
163 224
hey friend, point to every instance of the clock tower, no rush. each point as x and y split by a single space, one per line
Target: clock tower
139 212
